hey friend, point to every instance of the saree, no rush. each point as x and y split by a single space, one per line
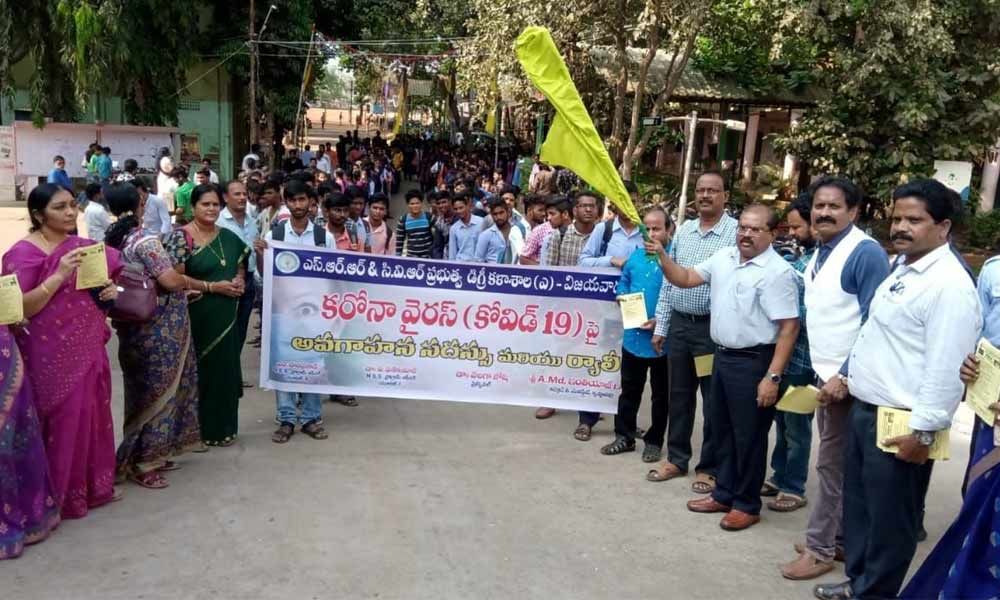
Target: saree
965 564
159 370
29 511
214 331
67 365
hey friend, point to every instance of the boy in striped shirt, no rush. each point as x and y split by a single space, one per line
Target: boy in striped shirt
414 237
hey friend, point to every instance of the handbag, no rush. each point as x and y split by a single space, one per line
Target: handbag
138 298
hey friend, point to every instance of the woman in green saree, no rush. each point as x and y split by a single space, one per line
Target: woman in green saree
217 257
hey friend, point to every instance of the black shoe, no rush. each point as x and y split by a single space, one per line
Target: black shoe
834 591
651 453
619 446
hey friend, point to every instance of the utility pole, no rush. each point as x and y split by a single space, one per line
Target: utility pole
254 134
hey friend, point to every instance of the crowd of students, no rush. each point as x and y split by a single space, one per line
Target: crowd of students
821 306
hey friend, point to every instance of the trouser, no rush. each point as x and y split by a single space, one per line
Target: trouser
290 411
245 309
633 377
741 427
824 531
689 337
883 497
790 459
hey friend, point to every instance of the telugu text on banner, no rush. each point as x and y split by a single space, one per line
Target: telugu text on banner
368 325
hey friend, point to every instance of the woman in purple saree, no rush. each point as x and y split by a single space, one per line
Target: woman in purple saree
64 352
28 511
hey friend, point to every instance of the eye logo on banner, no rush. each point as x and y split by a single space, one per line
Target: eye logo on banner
286 262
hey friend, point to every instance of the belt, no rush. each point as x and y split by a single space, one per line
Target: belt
690 317
750 351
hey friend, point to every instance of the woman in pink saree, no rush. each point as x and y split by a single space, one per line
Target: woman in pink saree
64 353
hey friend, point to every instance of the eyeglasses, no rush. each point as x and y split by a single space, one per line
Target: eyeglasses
751 231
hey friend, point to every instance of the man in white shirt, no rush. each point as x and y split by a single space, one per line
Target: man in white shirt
213 177
156 218
923 320
235 218
252 159
95 216
295 407
166 185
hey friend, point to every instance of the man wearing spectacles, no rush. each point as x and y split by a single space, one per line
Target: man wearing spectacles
755 299
683 324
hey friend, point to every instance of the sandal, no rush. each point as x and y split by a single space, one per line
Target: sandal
201 449
151 480
283 433
345 400
703 484
651 453
229 441
769 489
621 445
786 502
117 494
664 472
582 432
169 466
314 430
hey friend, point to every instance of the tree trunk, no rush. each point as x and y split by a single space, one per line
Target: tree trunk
640 90
621 85
677 66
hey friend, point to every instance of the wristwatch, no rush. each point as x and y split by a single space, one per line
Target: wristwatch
774 377
924 438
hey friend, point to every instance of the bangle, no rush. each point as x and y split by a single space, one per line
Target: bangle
204 285
210 288
187 282
45 289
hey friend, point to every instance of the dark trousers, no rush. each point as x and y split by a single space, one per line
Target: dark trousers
634 369
741 426
883 498
245 308
687 339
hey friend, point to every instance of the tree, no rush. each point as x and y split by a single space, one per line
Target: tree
906 82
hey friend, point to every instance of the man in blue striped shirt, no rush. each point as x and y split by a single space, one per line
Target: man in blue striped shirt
682 321
414 237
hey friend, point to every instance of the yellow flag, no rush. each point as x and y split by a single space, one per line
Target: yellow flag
491 122
572 141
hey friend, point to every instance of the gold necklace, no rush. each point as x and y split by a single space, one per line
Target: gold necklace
221 254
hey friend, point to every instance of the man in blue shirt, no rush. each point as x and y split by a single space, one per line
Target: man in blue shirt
501 243
104 165
613 252
58 174
641 273
464 231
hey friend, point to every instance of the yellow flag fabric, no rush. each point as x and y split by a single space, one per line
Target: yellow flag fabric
572 141
402 112
491 122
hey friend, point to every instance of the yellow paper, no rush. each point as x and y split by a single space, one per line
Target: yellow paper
894 422
986 389
633 308
800 400
703 364
93 269
11 300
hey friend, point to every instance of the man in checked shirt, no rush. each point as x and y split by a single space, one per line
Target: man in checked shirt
682 320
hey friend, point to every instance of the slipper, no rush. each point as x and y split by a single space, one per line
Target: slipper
169 466
117 494
665 472
786 502
703 484
247 385
151 480
582 433
769 489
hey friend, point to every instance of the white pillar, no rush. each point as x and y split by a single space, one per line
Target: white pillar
791 162
750 145
991 173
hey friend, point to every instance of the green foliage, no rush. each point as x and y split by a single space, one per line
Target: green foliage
907 81
983 230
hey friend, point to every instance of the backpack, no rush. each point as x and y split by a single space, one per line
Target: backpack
606 238
319 234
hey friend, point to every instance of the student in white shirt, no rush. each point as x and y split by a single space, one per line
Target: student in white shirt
95 216
293 407
156 218
923 320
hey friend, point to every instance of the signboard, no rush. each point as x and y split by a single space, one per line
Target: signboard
955 174
8 165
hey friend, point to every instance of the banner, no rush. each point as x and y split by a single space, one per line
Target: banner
370 325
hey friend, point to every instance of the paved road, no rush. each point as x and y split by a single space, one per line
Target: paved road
413 500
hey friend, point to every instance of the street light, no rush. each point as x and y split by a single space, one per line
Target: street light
692 121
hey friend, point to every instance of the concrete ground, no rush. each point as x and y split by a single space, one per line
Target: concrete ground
414 500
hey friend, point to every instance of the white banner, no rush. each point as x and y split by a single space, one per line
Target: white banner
369 325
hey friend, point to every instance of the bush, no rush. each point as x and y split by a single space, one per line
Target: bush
984 229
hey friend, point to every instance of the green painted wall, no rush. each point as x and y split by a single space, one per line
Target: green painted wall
206 111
